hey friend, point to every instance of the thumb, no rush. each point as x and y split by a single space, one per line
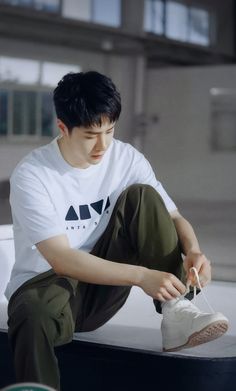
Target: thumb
188 277
191 276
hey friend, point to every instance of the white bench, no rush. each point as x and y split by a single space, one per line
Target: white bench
7 257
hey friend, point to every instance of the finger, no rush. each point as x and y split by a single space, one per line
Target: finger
197 264
167 296
165 292
204 279
205 273
206 268
173 291
191 280
159 297
178 285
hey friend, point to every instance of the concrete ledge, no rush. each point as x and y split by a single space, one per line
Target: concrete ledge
90 366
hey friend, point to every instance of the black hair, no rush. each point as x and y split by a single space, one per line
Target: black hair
84 99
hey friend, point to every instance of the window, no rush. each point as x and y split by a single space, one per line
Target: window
28 72
17 70
24 112
199 27
26 105
3 112
177 20
76 9
31 113
154 16
52 73
106 12
46 113
42 5
47 5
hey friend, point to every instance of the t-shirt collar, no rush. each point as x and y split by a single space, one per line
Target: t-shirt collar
66 167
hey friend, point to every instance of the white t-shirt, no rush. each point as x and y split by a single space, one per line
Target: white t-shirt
49 197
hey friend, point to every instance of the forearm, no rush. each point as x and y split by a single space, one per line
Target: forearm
194 257
186 235
85 267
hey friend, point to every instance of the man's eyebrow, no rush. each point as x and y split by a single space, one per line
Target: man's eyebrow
91 132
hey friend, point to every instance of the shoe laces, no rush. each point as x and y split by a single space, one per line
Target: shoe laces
194 270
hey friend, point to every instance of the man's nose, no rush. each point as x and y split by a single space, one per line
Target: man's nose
101 142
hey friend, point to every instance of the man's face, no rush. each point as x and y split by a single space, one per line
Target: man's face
86 146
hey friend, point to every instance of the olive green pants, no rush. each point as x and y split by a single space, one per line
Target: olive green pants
46 310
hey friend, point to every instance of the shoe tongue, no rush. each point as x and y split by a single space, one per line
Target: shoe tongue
180 304
185 304
169 304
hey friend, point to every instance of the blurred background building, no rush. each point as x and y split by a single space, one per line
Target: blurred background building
174 62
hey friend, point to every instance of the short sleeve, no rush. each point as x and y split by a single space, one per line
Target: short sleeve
145 174
32 208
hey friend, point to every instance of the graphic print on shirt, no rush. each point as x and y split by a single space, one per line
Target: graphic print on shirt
83 212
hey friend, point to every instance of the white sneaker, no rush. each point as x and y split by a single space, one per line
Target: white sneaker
184 325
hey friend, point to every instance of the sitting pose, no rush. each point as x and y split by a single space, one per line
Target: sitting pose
90 221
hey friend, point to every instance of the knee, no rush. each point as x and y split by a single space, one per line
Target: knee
137 187
144 192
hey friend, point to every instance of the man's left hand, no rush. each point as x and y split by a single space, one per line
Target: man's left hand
203 266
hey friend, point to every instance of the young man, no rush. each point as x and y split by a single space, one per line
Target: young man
91 221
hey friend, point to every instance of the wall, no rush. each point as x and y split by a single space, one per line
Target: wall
225 25
178 145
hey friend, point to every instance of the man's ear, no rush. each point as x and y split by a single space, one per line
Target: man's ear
63 128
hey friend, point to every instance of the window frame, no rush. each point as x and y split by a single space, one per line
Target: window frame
34 7
38 88
94 21
24 137
193 5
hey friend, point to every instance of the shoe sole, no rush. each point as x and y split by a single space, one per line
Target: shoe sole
207 334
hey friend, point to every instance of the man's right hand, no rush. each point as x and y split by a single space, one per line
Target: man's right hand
161 285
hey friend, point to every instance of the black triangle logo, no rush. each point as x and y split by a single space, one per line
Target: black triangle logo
84 212
71 214
97 206
107 204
